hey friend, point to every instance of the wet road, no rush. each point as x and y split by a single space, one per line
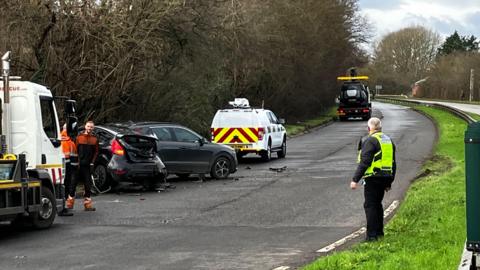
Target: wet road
258 219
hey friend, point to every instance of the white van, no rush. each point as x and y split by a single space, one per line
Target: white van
250 130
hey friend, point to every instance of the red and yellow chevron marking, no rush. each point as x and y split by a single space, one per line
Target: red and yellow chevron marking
235 135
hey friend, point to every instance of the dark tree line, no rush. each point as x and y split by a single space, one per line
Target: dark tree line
182 60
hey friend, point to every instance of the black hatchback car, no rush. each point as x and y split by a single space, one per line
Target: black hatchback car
126 157
185 152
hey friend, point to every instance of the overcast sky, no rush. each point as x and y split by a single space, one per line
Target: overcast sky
441 16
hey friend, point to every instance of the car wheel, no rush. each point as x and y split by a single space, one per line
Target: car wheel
267 154
100 178
220 168
182 175
44 218
282 153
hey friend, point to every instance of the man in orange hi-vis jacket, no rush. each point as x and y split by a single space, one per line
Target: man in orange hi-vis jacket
71 164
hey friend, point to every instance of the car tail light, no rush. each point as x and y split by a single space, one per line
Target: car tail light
261 132
366 110
117 148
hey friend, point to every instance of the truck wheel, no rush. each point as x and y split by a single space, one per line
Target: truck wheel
220 168
267 154
44 218
282 153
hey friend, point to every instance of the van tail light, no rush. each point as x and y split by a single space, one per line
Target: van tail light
212 130
117 148
261 132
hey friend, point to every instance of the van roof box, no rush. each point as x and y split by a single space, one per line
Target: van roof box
240 103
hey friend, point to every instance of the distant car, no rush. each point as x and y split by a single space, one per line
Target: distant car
184 151
125 156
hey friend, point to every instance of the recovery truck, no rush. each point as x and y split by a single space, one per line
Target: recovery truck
354 98
31 159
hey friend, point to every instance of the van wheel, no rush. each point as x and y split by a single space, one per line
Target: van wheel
267 154
283 152
220 168
44 218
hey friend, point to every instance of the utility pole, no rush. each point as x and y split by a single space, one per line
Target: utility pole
472 79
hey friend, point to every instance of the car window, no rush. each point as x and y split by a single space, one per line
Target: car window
103 137
275 119
162 133
271 118
183 135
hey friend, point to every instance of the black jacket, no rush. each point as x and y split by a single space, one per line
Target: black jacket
369 147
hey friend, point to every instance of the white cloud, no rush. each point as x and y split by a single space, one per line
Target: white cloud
442 16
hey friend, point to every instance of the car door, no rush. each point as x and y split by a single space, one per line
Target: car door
193 156
276 141
167 147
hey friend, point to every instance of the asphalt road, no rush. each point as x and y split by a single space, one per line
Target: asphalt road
258 219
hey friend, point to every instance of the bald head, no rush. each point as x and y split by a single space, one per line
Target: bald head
374 124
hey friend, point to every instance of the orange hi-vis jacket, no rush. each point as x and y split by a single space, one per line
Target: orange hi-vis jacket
69 149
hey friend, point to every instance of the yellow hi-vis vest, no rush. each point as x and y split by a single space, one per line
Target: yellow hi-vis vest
382 164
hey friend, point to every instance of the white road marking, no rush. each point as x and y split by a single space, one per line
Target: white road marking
357 233
282 268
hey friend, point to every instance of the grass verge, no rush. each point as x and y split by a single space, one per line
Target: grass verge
300 127
428 231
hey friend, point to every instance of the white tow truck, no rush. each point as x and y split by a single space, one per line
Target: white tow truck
31 158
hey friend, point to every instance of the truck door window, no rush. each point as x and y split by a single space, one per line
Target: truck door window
49 121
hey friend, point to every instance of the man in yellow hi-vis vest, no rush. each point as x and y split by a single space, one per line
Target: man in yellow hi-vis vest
376 166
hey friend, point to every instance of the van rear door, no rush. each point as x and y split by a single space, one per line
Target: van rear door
237 128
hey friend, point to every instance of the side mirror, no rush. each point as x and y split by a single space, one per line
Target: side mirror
281 121
72 126
70 107
201 141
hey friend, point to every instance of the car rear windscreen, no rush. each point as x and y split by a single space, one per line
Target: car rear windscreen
235 119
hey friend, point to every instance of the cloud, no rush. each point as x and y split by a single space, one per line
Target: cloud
442 16
382 5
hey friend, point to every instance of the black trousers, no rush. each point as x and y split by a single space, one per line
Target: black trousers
69 174
84 175
374 192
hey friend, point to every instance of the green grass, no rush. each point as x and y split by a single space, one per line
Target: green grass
428 231
294 129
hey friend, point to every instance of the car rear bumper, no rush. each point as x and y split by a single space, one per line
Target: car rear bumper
122 171
360 112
